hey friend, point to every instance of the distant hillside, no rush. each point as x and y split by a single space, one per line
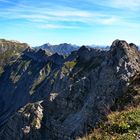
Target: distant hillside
62 49
9 51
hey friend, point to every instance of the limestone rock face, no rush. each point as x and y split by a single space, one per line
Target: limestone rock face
25 124
126 57
76 91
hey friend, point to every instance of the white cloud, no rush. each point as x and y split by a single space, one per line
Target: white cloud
55 26
71 13
109 21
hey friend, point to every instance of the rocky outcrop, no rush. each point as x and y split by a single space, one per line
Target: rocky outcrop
25 124
77 92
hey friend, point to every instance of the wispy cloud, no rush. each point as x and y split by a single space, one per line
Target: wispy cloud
49 15
54 26
63 14
119 4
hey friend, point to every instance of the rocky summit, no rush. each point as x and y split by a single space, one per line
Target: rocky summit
90 94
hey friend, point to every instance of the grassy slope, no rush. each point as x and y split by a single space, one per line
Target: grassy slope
123 123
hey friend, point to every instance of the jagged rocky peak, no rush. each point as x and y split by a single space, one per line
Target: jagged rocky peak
125 56
85 53
123 47
83 49
41 52
56 58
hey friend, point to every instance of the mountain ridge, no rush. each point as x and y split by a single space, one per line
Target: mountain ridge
65 97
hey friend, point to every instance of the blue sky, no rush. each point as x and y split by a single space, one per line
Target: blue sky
73 21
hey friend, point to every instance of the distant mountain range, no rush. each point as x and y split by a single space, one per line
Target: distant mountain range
65 48
62 49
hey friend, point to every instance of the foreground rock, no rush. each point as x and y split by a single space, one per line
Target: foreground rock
24 124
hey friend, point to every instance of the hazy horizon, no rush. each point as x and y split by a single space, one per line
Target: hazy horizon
70 21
